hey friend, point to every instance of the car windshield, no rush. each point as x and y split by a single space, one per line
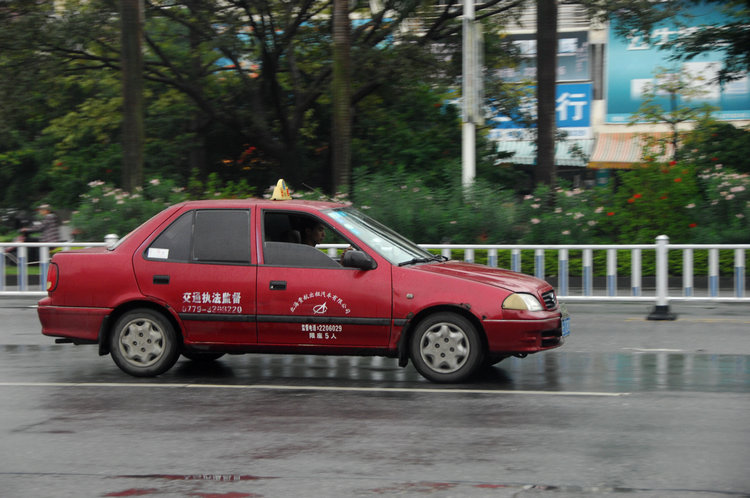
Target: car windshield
394 247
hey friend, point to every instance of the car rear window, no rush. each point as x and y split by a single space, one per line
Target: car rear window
173 244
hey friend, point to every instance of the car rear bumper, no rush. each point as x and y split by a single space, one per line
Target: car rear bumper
75 323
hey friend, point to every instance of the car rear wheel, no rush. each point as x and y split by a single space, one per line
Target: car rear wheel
144 343
446 347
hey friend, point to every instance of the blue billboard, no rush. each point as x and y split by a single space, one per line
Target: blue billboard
572 110
634 61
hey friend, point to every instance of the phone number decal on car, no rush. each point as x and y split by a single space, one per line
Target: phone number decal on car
211 309
204 301
306 327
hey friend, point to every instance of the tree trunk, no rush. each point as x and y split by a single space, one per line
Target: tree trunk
341 98
131 12
546 59
197 154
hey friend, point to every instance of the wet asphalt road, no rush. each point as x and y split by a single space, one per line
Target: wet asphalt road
657 409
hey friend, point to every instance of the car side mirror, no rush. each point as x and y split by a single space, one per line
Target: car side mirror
358 259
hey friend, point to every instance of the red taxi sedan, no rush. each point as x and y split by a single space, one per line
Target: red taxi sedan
205 278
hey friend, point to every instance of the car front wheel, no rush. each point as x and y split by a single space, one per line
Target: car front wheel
446 347
143 343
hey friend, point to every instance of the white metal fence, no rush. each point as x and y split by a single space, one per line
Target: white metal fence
19 261
572 286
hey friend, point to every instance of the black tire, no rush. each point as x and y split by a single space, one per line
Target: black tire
202 357
143 343
446 347
493 360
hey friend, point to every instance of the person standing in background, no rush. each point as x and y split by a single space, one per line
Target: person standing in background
50 226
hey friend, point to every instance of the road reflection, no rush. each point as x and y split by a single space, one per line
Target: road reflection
631 371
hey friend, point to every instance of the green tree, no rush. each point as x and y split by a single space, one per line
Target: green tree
546 56
341 97
732 38
713 142
669 101
256 73
409 128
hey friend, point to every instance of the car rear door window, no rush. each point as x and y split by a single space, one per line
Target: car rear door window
205 236
222 236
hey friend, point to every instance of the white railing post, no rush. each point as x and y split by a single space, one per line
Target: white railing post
2 269
23 279
446 252
588 271
687 272
492 257
611 272
43 266
713 272
635 272
562 271
539 263
469 255
515 260
739 273
661 309
111 239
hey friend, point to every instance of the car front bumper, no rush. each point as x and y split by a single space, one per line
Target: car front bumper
524 336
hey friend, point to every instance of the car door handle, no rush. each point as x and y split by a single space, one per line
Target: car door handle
161 279
278 285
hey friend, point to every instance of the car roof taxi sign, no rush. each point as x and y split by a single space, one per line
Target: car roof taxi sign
281 192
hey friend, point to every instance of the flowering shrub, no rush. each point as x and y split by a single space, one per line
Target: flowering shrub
437 214
105 209
676 199
653 199
726 212
679 200
562 216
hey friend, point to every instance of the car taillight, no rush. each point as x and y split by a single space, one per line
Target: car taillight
53 274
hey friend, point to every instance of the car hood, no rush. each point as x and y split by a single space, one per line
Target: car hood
496 277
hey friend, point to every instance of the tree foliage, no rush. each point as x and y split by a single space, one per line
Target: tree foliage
713 142
242 89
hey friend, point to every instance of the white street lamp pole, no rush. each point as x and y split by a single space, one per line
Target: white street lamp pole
470 93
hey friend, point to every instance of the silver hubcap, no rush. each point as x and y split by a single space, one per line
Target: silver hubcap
444 347
142 342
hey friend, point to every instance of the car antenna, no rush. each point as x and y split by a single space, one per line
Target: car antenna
319 192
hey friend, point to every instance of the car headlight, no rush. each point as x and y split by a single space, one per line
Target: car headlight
525 302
